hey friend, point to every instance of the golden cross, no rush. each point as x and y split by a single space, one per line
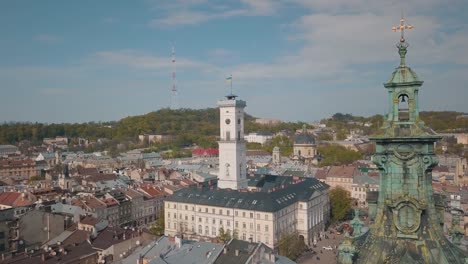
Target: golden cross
402 28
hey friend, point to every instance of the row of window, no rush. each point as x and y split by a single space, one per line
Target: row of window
214 231
220 211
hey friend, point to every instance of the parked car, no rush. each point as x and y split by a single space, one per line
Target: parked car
327 248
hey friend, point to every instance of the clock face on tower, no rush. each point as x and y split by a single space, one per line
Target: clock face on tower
228 121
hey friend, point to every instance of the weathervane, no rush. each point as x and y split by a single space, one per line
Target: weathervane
402 27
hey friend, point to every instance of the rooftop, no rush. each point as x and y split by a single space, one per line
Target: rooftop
281 192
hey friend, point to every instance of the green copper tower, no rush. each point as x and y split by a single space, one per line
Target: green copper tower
407 226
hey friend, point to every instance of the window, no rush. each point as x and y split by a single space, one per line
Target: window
206 210
243 214
206 230
193 218
213 211
200 230
221 222
228 212
220 211
258 216
258 227
244 225
251 226
214 221
213 231
266 228
236 224
175 215
243 236
228 223
251 215
266 217
199 219
168 215
236 213
186 207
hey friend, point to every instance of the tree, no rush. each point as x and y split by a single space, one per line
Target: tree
291 245
337 155
340 202
157 229
224 236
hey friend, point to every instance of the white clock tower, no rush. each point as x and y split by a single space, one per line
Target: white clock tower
232 167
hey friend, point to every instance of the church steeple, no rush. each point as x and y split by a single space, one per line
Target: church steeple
403 94
406 227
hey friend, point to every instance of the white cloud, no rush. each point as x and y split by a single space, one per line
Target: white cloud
183 13
135 59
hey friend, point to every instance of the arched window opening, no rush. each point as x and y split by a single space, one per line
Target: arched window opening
403 107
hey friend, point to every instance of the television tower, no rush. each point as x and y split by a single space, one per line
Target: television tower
174 104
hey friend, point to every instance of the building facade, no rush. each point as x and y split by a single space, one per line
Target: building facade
302 206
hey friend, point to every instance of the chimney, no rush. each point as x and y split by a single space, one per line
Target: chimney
178 242
140 259
237 252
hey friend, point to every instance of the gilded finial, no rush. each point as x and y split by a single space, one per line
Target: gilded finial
402 45
402 27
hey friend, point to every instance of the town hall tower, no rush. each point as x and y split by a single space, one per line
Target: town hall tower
232 167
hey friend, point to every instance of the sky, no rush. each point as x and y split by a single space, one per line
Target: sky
87 60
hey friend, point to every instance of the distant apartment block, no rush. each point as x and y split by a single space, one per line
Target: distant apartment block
56 141
268 121
156 138
8 150
258 138
26 168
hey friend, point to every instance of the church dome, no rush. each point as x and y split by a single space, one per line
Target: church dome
304 137
403 75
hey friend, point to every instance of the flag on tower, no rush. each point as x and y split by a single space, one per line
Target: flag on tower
229 79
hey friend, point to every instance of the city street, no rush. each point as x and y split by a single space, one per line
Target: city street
321 255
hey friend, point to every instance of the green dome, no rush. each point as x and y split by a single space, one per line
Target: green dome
403 75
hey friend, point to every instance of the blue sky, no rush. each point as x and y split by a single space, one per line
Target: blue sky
76 61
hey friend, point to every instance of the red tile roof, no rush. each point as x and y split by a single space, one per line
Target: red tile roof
89 220
321 174
152 191
9 198
342 171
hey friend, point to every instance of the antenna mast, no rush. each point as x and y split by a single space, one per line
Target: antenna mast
174 104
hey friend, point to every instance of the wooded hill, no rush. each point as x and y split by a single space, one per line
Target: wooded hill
188 125
199 126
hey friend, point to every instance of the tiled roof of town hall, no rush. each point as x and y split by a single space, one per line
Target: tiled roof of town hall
270 200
